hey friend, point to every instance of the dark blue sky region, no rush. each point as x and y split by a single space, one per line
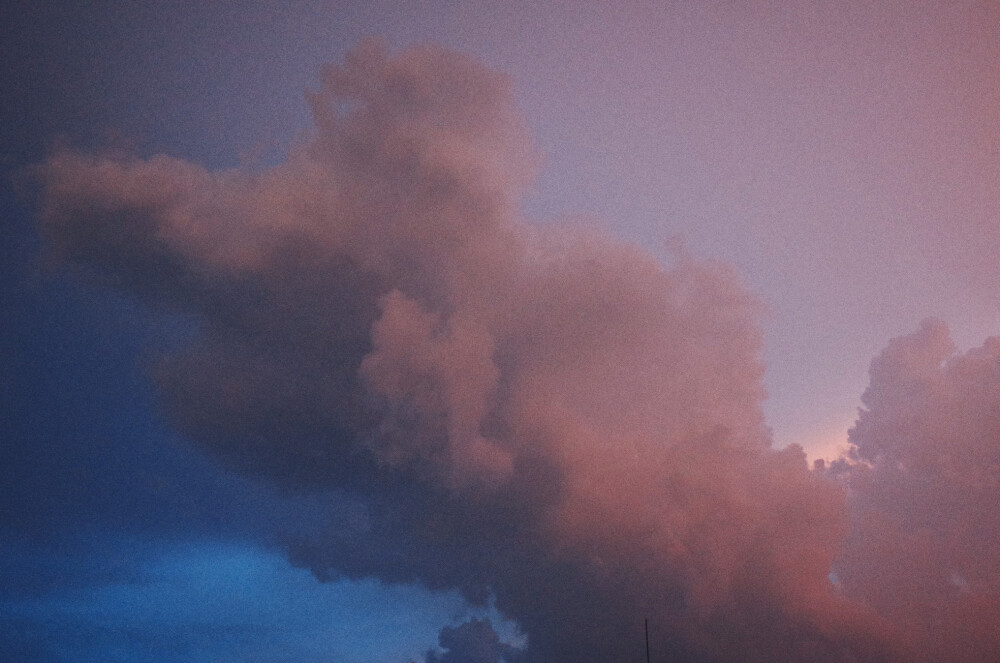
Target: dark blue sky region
122 543
118 541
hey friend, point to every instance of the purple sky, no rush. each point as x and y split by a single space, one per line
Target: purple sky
841 157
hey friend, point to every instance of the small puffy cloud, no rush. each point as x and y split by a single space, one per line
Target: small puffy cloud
473 642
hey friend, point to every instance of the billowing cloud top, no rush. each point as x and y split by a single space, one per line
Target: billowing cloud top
923 546
546 417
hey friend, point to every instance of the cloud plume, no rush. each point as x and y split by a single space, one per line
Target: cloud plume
546 418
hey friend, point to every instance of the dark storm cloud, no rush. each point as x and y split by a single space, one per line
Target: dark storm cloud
549 418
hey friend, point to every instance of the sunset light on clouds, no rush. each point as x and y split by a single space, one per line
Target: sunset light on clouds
479 332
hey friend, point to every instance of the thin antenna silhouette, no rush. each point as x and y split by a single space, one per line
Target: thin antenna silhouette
645 622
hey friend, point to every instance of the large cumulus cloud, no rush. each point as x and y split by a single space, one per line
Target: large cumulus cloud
549 418
923 547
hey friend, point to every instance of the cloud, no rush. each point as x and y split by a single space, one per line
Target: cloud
922 549
474 641
552 419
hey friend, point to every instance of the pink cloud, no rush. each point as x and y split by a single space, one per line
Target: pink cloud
551 418
922 549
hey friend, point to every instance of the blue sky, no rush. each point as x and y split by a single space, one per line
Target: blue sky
214 601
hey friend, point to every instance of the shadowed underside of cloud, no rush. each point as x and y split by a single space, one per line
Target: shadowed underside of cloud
549 418
473 642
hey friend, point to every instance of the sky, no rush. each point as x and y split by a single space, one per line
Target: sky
480 331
